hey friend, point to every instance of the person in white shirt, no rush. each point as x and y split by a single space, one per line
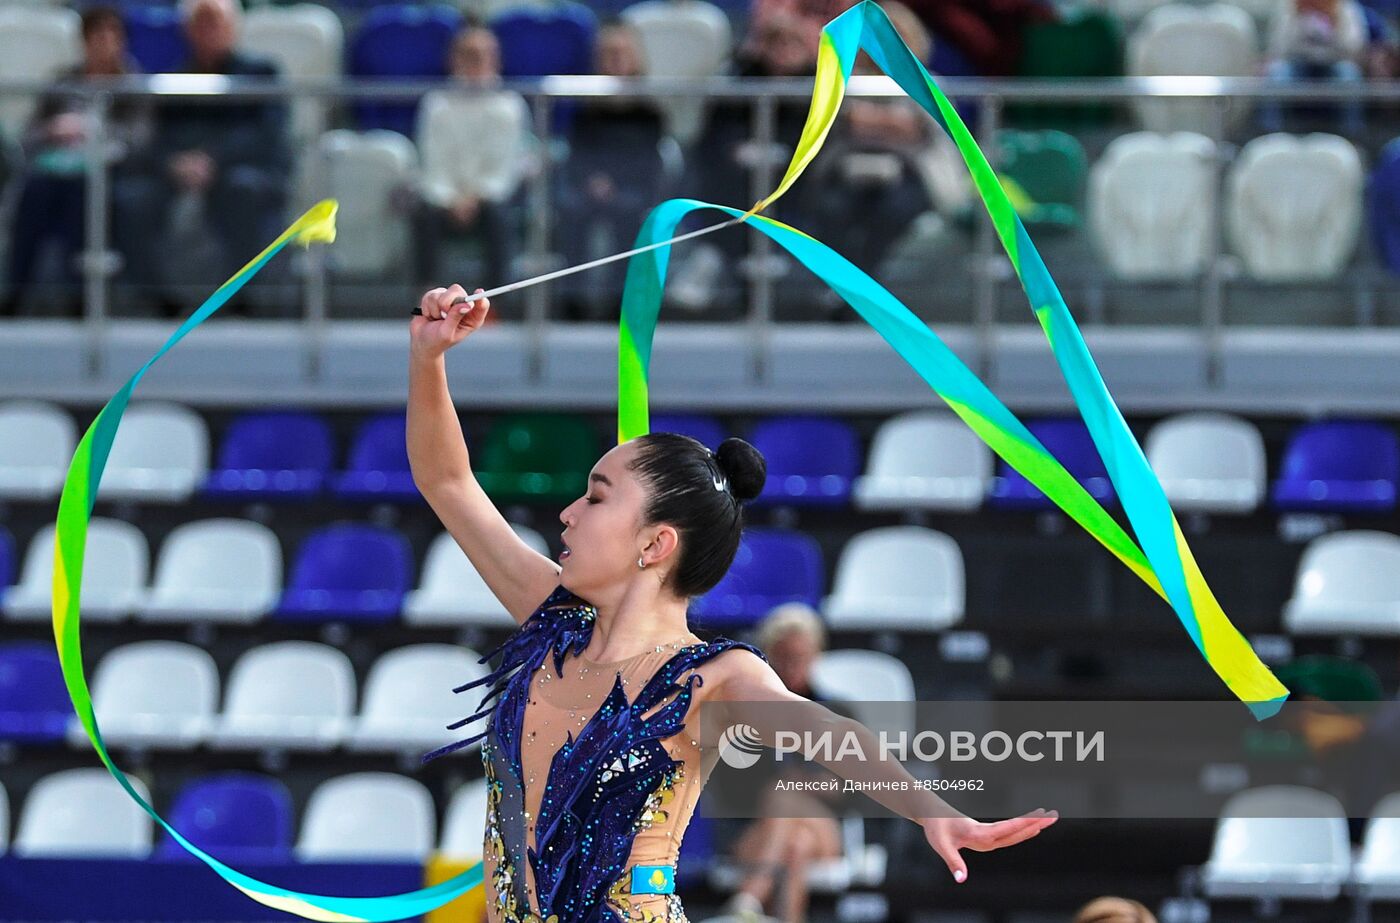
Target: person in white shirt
1317 39
473 140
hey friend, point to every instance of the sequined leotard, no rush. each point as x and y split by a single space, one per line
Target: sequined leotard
592 774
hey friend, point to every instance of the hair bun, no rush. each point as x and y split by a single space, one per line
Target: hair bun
744 466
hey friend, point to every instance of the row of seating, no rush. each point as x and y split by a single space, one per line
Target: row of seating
302 696
920 460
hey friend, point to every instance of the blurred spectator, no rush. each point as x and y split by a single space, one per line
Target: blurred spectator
1114 910
1317 39
795 828
988 32
612 178
809 15
226 163
52 195
473 142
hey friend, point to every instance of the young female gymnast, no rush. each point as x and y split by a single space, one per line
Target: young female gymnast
591 750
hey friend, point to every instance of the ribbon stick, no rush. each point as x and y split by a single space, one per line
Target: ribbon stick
74 513
1163 560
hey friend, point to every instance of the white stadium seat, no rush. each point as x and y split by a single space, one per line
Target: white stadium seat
859 676
160 455
905 578
116 565
1220 40
924 460
83 813
216 570
409 701
367 816
1347 583
1279 841
365 171
464 827
1293 206
452 592
690 38
306 42
36 42
1154 205
297 695
1208 462
36 445
1377 869
153 693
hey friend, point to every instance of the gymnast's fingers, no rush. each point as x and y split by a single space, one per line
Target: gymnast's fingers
427 304
445 300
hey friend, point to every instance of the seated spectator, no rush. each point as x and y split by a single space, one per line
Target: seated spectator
989 33
1317 39
226 163
612 179
52 190
1114 910
809 15
472 139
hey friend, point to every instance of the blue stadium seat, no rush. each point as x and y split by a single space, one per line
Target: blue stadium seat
1339 465
7 561
772 566
350 572
378 468
1383 193
34 703
400 40
536 42
1068 440
273 455
155 37
235 817
699 427
812 461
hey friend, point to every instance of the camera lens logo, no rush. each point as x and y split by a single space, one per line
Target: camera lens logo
740 746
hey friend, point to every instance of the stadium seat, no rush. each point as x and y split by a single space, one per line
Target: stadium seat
924 460
368 816
1070 442
215 570
464 827
1330 678
353 572
378 468
34 703
688 39
1080 42
297 695
537 456
155 37
1208 462
1293 206
1219 40
83 813
1383 195
115 569
1347 583
409 701
1377 869
153 694
36 444
537 41
236 817
36 42
772 566
400 40
453 593
812 461
282 455
1153 205
160 455
859 677
306 42
904 578
704 429
1340 466
1280 842
364 171
1045 172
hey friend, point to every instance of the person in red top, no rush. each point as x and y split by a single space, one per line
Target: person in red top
987 32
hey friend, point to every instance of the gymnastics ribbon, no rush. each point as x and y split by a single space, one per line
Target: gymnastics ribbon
1164 560
74 512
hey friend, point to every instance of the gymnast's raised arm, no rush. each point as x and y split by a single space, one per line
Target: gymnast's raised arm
520 577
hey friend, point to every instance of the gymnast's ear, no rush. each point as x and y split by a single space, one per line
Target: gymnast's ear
662 545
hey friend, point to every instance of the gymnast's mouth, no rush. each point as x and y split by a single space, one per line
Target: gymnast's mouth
564 555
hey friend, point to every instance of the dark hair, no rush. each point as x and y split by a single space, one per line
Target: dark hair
702 494
97 17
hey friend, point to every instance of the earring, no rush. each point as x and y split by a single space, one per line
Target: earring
639 563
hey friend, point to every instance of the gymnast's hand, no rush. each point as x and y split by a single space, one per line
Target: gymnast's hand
439 325
947 835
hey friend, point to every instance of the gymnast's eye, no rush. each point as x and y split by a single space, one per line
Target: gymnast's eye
590 500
